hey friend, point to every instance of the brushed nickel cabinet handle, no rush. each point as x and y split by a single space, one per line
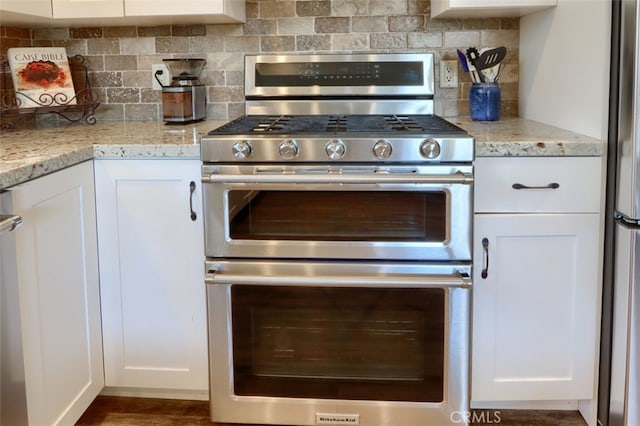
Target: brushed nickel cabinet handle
485 260
192 189
552 185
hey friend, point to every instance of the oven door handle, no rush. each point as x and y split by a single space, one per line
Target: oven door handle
339 178
457 280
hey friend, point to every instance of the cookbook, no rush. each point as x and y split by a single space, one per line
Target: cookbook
41 76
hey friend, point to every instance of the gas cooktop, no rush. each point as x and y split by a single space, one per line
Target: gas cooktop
390 138
321 124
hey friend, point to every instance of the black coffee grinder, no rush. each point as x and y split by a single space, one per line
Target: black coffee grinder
185 100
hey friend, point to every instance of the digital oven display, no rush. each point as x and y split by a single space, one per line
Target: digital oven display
302 74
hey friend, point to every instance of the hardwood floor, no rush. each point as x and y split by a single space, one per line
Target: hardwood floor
118 411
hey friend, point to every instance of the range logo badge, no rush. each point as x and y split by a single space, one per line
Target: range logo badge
337 419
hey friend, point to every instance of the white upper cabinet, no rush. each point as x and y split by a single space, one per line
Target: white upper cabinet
30 7
487 8
215 10
63 9
120 12
25 11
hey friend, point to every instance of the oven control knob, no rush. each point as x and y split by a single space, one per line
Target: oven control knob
382 149
288 149
335 149
430 148
241 149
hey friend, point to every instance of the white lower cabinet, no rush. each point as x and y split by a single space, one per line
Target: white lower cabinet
57 273
537 280
535 318
152 276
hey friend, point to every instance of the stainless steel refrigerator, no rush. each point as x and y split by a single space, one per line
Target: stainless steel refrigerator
619 390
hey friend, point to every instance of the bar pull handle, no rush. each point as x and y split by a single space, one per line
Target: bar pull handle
626 221
192 189
552 185
456 280
8 223
341 178
485 258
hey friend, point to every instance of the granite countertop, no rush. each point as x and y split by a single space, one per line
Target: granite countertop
28 154
517 137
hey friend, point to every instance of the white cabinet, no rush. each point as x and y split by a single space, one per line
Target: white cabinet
225 9
63 9
152 275
537 268
27 7
57 273
42 11
487 8
13 394
121 12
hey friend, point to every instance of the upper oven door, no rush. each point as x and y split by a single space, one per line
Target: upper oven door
395 212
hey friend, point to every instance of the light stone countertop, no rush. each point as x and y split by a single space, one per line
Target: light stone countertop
517 137
28 154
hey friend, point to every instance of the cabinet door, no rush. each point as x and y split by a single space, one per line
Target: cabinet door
487 8
87 8
27 7
152 274
59 294
535 315
231 8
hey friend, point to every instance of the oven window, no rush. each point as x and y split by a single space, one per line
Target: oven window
403 216
346 343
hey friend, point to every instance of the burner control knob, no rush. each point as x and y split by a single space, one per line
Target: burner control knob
430 148
241 149
288 149
335 149
382 149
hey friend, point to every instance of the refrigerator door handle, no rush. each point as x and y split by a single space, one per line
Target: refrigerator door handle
626 221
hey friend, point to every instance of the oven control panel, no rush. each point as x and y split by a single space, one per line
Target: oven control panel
316 150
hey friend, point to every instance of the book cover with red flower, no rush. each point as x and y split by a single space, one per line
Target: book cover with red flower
41 76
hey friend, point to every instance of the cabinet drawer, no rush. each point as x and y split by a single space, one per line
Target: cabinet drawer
556 184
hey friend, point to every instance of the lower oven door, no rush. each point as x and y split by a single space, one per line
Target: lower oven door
347 212
338 343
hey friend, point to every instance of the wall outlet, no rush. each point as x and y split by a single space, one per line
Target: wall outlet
448 73
163 74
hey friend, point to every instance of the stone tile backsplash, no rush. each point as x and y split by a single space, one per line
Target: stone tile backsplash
120 58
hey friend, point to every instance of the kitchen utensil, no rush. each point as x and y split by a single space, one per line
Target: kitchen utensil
498 73
490 58
463 61
473 55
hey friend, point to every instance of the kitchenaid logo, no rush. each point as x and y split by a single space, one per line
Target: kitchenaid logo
337 419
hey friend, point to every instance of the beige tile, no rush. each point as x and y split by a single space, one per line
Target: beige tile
350 42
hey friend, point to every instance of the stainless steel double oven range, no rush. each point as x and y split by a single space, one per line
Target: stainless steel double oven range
338 240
